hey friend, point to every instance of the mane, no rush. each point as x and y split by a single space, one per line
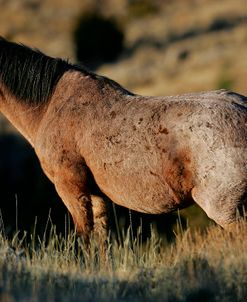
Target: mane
28 74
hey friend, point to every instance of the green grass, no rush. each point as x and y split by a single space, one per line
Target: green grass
208 266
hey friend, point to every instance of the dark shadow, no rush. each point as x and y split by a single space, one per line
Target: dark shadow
201 294
143 225
97 40
26 193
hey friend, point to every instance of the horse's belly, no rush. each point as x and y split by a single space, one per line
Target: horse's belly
142 192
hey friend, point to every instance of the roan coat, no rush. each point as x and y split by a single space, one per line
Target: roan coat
150 154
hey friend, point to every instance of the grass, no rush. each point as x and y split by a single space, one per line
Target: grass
209 266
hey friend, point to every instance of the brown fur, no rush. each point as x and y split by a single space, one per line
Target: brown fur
151 154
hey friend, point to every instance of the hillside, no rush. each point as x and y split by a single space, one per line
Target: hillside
170 46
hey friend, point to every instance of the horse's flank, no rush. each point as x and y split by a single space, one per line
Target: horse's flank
151 154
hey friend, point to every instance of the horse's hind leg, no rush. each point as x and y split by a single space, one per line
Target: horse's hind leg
223 203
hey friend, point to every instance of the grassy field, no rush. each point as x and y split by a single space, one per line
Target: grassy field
208 266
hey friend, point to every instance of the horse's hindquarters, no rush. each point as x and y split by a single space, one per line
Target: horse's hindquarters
221 189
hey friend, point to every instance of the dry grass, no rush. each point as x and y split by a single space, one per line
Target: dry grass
208 267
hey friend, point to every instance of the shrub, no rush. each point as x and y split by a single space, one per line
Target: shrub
97 40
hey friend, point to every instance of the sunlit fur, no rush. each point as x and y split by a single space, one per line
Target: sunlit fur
151 154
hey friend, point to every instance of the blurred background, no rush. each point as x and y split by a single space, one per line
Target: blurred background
151 47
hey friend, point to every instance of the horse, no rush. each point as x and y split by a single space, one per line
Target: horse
94 138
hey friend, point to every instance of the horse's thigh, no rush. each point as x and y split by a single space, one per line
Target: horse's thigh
223 204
